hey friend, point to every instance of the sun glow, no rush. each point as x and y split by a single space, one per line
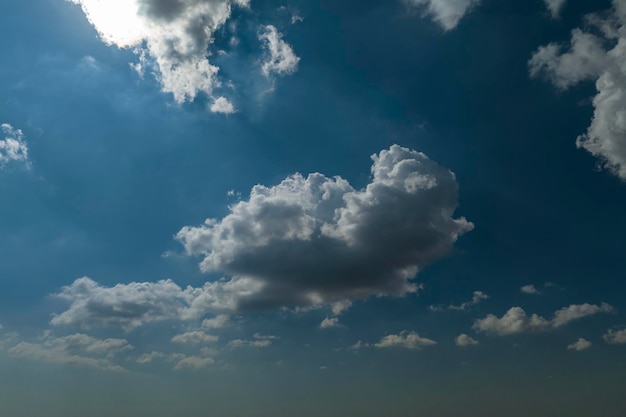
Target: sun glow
117 21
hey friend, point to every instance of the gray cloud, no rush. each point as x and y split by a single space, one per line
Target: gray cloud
315 240
517 321
555 6
446 13
195 337
329 323
615 337
407 340
599 57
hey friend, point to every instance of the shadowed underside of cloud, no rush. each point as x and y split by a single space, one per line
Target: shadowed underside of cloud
517 321
315 240
599 54
446 13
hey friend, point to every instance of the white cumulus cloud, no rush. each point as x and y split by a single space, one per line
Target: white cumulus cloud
195 337
175 34
315 240
280 57
465 340
446 13
517 321
477 297
407 340
13 146
329 323
596 54
580 344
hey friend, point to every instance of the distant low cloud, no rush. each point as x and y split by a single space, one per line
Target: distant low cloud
597 54
316 240
216 322
463 340
194 363
77 349
13 146
446 13
407 340
530 289
258 341
580 344
517 321
476 299
195 337
280 57
615 337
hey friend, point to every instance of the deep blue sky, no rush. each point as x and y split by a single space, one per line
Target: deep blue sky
116 167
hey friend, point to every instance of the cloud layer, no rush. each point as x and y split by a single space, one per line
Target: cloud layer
314 240
597 54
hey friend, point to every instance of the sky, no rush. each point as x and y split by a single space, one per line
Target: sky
350 207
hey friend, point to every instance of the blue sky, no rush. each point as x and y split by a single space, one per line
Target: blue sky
233 208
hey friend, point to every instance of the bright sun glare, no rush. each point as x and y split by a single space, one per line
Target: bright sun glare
117 21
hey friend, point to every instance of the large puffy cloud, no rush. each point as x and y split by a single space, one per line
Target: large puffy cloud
598 56
447 13
315 240
517 321
175 34
13 147
77 349
280 59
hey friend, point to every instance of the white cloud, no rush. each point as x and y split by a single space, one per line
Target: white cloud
77 349
599 57
149 357
530 289
222 105
476 299
465 340
580 344
447 13
13 146
195 337
281 59
194 363
316 240
132 305
615 337
176 35
517 321
555 6
329 323
340 306
407 340
216 322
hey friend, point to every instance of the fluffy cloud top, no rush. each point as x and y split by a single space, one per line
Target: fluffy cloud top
195 337
447 13
517 321
281 59
175 34
601 57
580 344
13 147
314 240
